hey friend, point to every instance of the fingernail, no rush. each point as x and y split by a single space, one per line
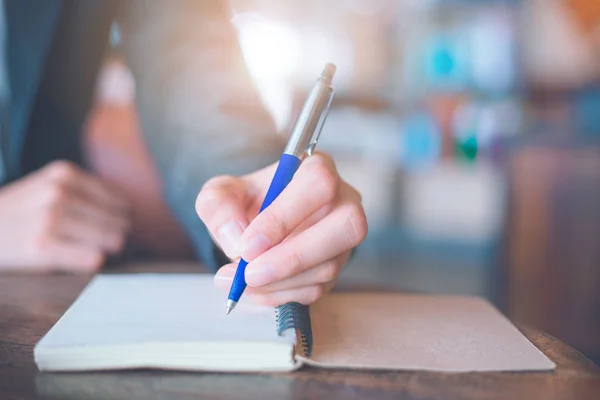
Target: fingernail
254 247
259 275
229 238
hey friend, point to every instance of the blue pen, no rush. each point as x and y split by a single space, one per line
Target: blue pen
302 141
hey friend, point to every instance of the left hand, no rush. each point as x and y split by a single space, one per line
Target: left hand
295 248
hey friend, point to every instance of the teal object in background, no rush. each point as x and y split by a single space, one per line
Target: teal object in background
443 63
467 149
586 112
421 141
446 62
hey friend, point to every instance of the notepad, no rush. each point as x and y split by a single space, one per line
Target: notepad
177 322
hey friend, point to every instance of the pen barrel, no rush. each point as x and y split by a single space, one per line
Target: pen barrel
287 167
302 141
239 281
311 119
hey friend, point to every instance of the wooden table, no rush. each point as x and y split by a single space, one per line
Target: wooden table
30 304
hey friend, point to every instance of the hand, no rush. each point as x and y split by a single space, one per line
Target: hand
60 218
298 245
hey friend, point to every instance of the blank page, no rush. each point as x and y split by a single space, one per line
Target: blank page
418 332
120 310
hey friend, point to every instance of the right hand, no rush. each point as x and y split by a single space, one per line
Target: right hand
60 218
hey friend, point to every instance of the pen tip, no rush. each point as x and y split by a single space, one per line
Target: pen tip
328 72
230 306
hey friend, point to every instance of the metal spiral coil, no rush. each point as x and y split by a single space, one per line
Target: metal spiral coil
295 316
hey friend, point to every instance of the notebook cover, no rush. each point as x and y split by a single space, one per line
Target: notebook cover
417 332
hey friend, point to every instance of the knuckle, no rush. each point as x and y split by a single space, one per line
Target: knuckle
57 193
211 183
94 260
61 170
356 225
89 261
117 243
213 193
199 204
207 202
324 158
219 181
275 224
312 294
325 179
293 264
327 272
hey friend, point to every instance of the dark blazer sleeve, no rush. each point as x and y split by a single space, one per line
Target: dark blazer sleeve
200 114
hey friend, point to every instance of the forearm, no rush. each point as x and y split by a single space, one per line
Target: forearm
199 112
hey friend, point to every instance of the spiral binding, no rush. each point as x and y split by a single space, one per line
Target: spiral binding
295 316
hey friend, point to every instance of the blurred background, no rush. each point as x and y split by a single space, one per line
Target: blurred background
471 127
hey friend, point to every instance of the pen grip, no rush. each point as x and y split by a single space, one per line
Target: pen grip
288 165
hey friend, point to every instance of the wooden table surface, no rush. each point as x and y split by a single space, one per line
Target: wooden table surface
31 304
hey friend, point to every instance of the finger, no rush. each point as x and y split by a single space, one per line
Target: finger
84 232
224 276
221 205
82 208
63 255
81 220
305 295
344 228
88 185
314 186
323 273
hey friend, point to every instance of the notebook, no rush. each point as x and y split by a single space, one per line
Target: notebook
177 322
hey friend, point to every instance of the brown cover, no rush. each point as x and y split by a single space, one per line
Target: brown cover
418 332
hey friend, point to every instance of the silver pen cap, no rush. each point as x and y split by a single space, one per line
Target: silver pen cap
311 119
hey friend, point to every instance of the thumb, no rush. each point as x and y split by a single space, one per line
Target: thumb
221 206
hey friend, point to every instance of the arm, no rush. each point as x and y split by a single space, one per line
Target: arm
199 112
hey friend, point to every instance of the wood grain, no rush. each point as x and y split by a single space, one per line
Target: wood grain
30 304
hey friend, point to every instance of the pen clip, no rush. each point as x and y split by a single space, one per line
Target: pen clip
319 127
